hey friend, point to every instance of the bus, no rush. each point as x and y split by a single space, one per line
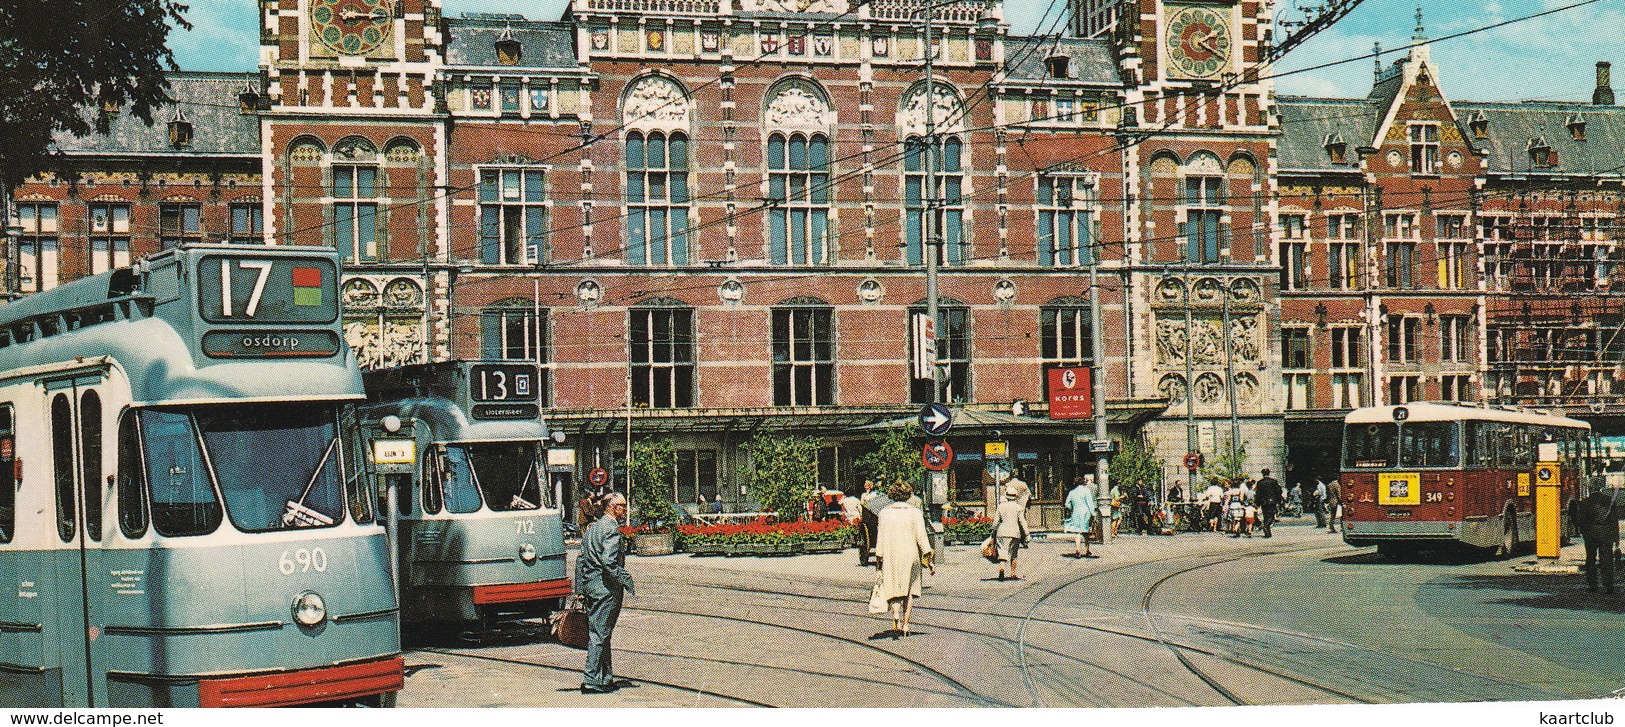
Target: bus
1428 474
480 535
181 522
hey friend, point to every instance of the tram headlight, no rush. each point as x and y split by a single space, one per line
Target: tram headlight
527 553
309 610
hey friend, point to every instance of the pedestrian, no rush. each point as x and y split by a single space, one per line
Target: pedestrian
1176 494
873 502
1294 500
1213 497
852 514
1026 493
1140 504
588 509
1117 508
1080 515
1334 505
1317 500
902 548
1235 508
1010 529
1597 516
1268 496
602 581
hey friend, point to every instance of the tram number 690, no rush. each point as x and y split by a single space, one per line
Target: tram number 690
303 561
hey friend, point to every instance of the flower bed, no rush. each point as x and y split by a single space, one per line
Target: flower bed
764 538
967 530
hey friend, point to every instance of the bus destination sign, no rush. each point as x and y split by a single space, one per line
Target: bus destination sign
270 344
261 291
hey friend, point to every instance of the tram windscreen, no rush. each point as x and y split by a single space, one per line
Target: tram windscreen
507 474
1369 445
183 499
278 465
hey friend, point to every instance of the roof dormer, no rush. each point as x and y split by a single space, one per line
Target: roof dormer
1479 125
1576 124
509 52
1540 153
1059 66
180 130
1337 150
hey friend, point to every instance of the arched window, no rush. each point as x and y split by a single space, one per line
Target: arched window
1203 201
1066 219
948 158
657 198
799 189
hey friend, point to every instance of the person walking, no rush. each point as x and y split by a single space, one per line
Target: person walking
1268 495
873 502
852 514
902 547
1026 493
1334 505
1080 515
1234 502
1009 529
602 581
1140 508
1317 500
1597 516
1213 497
1117 508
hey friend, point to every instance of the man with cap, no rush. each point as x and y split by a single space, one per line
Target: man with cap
601 579
1268 495
1009 528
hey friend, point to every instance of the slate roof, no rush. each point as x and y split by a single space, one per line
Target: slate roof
1512 125
1092 60
472 42
1306 122
209 101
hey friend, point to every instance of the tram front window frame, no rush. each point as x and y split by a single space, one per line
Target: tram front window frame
470 474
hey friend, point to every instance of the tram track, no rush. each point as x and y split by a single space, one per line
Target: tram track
697 691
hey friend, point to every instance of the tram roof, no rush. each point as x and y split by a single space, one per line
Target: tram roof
1431 412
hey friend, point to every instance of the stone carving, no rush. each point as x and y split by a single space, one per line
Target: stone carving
655 101
1170 342
1244 290
384 342
1208 290
1170 290
1206 164
870 291
1209 389
359 293
1244 339
798 107
1207 343
1246 389
1004 291
588 292
731 291
948 113
796 6
1172 387
403 293
354 148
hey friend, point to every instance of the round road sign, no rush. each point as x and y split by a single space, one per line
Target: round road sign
598 476
936 456
1193 461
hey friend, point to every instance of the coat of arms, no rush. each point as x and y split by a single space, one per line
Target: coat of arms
770 44
798 45
823 45
600 40
710 41
881 45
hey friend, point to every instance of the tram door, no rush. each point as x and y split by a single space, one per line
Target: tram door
75 412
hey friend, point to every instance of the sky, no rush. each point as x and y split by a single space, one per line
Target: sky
1548 58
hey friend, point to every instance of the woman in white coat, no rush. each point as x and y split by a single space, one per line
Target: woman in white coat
903 548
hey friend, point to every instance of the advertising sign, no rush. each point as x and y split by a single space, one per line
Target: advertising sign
1399 488
1070 392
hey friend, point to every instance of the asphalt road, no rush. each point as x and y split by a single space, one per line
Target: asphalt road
1189 620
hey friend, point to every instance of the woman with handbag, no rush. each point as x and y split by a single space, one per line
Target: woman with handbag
903 548
1010 529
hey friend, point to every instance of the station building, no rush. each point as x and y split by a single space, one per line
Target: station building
706 219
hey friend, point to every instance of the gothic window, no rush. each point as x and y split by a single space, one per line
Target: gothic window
804 354
657 198
38 246
355 211
952 247
513 215
662 359
799 190
1204 212
953 354
109 236
1066 211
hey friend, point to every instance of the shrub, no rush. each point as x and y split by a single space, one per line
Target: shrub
764 531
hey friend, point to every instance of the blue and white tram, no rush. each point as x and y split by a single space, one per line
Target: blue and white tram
481 535
180 523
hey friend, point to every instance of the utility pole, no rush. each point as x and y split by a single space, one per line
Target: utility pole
1097 389
929 247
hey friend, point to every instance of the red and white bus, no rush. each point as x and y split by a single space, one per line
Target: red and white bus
1424 474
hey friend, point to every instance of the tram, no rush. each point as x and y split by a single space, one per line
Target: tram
1429 474
480 535
180 522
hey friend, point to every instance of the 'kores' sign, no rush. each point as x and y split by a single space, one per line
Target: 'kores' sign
1070 393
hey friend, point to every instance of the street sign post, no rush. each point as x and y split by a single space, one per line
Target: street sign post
936 456
1548 510
936 419
996 450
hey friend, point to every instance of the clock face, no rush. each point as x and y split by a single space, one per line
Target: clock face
351 27
1198 43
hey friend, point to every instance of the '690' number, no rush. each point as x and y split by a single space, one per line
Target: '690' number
302 560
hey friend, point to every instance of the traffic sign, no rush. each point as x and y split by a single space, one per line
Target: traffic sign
995 449
936 456
936 419
1193 461
598 476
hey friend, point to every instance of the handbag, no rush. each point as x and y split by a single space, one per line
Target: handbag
990 550
569 624
877 599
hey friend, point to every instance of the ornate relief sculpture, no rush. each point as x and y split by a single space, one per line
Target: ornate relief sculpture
1209 389
1246 389
796 6
1244 338
948 113
1170 342
1208 290
655 101
1172 387
797 107
1207 343
1170 290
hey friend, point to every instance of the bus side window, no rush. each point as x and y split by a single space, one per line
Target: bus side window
432 466
8 475
131 483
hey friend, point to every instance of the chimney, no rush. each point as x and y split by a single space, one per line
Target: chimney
1604 95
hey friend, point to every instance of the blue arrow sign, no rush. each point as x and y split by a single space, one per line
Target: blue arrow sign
936 419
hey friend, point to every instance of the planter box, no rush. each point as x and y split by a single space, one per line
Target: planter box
964 539
764 549
655 544
824 546
705 549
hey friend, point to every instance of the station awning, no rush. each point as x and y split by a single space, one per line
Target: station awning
828 419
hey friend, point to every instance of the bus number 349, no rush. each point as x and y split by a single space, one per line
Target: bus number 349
302 560
1433 497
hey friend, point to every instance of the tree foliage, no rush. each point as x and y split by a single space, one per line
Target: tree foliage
1227 466
1136 462
784 472
63 58
654 477
896 457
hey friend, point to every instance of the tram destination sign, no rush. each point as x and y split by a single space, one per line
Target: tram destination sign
502 382
505 411
270 344
267 290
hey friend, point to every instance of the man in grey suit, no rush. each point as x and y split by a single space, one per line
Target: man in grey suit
601 579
